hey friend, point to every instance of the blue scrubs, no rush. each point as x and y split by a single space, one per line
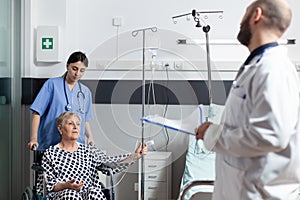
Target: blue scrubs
51 102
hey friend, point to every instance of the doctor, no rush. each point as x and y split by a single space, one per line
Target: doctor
258 140
58 95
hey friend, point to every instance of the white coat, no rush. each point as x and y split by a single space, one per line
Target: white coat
258 140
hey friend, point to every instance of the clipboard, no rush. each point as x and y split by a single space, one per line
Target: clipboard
187 125
174 125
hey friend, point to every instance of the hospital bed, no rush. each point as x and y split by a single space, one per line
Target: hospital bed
199 173
200 195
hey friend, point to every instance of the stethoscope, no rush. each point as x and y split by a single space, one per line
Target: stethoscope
68 107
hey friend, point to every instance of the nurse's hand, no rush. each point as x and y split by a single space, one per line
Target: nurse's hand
32 143
200 131
91 141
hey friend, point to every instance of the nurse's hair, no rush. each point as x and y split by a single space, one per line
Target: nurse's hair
78 56
61 120
277 13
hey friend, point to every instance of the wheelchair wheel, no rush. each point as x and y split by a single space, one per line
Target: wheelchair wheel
27 194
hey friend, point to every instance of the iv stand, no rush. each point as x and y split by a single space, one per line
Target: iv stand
134 34
205 29
210 108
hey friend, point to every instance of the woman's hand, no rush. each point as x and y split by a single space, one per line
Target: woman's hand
140 150
137 154
68 185
72 185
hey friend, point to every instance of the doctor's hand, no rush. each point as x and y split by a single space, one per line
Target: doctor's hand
200 131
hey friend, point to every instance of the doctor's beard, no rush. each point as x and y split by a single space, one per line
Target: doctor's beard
245 34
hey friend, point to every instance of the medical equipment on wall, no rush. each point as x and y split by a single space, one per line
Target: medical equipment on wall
80 95
48 44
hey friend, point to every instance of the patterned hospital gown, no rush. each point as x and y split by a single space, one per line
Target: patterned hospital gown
82 165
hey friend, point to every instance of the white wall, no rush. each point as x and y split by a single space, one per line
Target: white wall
87 26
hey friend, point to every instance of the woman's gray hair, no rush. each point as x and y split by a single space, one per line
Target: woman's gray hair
64 116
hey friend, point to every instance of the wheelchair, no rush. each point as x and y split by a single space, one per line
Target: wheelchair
32 194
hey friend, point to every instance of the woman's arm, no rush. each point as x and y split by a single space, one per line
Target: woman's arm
89 135
136 155
116 164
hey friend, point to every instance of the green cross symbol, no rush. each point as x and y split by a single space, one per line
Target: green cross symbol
47 43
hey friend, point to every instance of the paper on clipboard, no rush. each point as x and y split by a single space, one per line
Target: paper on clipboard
186 125
175 125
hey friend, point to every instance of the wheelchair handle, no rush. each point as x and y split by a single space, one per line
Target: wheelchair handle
34 147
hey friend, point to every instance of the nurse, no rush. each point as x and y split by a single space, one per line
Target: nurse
257 143
59 95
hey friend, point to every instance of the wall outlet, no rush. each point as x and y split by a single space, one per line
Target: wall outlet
117 21
297 65
136 187
178 65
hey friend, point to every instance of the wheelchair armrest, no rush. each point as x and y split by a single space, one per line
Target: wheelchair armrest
105 168
37 167
37 159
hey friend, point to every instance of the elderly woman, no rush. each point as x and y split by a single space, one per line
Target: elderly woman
71 167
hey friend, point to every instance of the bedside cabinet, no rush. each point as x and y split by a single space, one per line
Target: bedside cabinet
157 175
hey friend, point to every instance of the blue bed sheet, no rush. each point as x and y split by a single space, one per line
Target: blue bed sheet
200 163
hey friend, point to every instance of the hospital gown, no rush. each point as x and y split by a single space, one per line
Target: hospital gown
81 165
